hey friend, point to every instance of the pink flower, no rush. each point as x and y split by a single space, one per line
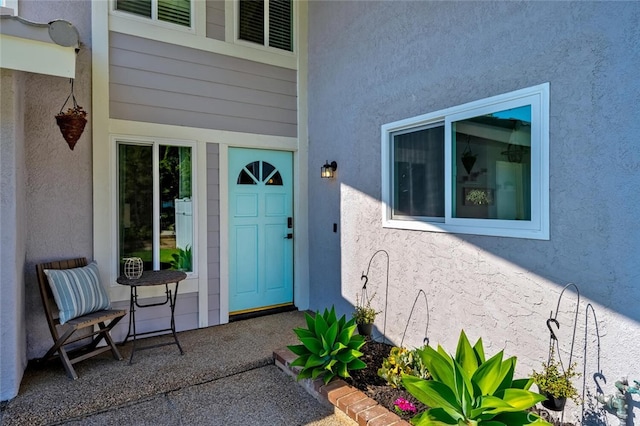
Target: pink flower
402 404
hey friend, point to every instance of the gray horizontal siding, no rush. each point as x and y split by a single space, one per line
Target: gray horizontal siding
215 19
158 82
213 233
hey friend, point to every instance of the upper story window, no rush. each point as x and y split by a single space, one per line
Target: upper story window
479 168
266 22
178 12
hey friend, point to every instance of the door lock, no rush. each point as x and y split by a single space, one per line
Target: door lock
289 236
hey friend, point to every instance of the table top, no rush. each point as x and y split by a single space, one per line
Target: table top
149 278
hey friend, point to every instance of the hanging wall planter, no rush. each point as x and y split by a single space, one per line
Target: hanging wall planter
72 121
468 158
365 329
553 403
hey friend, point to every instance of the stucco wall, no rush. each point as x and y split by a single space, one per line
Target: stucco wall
58 194
372 63
13 338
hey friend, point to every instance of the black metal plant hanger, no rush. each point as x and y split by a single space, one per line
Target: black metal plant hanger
598 374
72 96
553 339
425 340
365 296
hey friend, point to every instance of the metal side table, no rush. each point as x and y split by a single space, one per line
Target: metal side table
152 278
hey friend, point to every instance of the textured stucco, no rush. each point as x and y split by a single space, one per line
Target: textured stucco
401 59
13 338
58 193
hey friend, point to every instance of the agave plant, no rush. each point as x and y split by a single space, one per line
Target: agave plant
329 348
468 389
181 260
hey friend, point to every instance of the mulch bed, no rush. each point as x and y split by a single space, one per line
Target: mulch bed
372 385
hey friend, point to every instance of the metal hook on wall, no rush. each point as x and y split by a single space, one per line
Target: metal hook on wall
553 321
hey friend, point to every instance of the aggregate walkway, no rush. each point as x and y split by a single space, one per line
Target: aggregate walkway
226 377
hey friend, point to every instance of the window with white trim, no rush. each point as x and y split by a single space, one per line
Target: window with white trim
9 4
177 12
479 168
155 205
266 22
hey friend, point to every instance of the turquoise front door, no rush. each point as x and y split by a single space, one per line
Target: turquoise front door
260 229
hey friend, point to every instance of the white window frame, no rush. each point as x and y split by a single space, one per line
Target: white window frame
232 23
155 144
537 227
10 4
153 20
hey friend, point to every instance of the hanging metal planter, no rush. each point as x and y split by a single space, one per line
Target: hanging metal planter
468 158
72 121
553 403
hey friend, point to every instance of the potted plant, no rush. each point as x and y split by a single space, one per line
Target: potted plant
181 259
365 315
554 382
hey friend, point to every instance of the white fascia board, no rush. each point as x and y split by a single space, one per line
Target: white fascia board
38 57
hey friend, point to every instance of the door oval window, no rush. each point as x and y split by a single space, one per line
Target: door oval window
259 172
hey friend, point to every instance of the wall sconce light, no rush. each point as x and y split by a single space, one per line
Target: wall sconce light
327 171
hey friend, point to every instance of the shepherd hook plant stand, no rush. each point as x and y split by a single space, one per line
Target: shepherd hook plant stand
553 339
365 277
425 340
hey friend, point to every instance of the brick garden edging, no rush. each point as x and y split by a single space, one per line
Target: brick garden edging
351 401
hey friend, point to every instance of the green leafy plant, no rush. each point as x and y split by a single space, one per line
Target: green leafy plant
402 361
329 348
556 381
364 313
467 389
479 197
181 260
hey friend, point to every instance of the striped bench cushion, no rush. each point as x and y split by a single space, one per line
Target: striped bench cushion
77 291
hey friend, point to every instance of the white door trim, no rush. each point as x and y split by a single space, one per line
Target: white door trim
223 169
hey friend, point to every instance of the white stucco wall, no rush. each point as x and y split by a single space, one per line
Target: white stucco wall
58 193
12 234
372 63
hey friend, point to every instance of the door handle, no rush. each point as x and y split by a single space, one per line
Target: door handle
289 236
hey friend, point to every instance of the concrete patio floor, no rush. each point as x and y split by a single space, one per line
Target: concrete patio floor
225 377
